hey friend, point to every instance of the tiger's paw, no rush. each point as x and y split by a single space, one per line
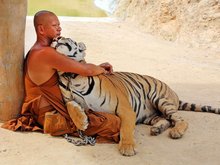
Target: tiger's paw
159 127
77 115
127 149
154 131
178 130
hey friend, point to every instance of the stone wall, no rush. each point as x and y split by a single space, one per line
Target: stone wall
192 22
12 18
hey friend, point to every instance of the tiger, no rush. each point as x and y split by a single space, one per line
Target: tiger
134 98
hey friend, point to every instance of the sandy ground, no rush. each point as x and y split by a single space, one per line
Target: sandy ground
193 74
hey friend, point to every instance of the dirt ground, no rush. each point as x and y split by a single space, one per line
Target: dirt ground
194 74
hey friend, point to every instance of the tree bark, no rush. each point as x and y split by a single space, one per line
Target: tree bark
12 30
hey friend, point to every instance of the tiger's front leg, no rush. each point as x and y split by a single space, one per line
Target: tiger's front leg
77 114
128 119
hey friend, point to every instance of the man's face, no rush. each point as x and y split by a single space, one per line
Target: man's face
52 27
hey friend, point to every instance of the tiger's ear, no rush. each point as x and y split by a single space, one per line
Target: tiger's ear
54 43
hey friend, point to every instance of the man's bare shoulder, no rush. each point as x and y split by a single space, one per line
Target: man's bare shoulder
42 50
48 56
42 53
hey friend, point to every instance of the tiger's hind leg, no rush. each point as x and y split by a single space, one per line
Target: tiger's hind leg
159 125
180 126
77 114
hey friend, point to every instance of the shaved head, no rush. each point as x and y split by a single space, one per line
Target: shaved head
42 17
47 25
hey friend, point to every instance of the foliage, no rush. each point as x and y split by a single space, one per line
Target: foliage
82 8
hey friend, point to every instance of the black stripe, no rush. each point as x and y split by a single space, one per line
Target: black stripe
161 87
149 85
124 77
154 95
193 107
100 87
165 102
68 46
69 75
91 84
157 102
116 107
133 80
63 85
103 101
209 108
138 110
135 106
204 109
137 103
143 91
184 106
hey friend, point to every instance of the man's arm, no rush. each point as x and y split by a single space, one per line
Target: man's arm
63 63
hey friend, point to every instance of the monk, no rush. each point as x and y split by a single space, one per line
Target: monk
43 108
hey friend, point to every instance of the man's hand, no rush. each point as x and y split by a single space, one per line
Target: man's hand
108 67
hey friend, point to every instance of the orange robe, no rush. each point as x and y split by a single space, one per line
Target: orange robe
55 119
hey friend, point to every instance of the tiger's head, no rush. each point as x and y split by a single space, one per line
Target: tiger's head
70 48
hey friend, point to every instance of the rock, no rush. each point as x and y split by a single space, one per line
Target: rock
191 22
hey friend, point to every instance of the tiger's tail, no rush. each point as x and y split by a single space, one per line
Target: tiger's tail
197 108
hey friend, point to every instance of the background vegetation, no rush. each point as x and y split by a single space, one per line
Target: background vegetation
81 8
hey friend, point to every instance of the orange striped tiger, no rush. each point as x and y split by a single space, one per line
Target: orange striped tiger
134 98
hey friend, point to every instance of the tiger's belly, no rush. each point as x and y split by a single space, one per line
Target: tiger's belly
143 115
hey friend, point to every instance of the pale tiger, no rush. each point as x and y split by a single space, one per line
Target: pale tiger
134 98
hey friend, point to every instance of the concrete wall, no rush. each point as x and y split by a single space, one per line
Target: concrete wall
12 28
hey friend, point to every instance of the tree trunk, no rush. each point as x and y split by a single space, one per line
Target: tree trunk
12 30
